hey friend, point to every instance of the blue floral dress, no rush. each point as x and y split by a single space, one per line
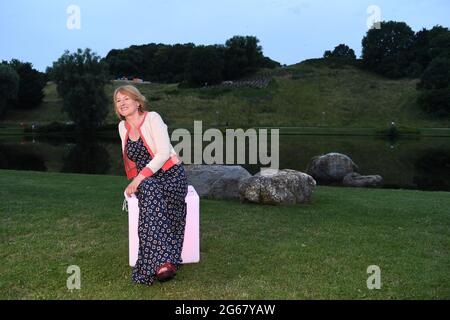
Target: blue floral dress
162 215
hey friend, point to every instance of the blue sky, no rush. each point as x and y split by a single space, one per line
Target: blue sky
289 30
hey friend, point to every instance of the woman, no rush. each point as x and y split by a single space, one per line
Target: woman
159 183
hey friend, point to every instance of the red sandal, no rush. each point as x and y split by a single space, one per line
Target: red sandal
166 271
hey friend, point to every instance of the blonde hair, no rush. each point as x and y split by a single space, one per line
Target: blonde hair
134 94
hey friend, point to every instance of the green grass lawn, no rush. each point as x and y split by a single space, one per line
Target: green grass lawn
320 250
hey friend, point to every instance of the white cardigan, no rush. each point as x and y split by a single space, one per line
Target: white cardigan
154 134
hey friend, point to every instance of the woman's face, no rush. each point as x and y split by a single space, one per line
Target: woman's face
125 105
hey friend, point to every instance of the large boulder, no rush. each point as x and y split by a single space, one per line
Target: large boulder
331 167
354 179
281 187
216 181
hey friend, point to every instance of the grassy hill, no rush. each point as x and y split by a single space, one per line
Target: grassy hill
313 93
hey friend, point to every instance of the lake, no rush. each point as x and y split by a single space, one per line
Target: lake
421 163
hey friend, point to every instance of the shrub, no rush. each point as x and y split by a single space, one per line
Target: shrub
341 51
436 75
436 101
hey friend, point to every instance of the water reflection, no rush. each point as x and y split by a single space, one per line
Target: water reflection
433 170
403 163
87 157
19 157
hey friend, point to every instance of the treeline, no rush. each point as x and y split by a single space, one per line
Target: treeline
188 63
395 51
21 86
81 76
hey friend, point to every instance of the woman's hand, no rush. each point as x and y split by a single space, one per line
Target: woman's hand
132 187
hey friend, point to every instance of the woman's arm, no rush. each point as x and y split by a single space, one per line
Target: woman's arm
132 187
160 136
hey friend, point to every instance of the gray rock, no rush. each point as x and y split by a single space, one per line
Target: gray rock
354 179
331 167
216 181
284 187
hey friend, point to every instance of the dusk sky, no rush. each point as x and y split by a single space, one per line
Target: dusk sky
289 31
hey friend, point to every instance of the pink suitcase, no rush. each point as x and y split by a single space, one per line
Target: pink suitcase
191 244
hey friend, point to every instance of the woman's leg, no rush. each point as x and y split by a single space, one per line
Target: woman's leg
175 191
153 229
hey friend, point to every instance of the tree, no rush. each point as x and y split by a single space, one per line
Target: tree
170 63
243 56
162 68
80 79
435 101
435 87
437 75
269 63
425 48
341 51
205 65
9 86
440 45
388 50
179 57
32 83
153 62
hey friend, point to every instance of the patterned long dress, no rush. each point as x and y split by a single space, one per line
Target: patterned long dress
162 215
